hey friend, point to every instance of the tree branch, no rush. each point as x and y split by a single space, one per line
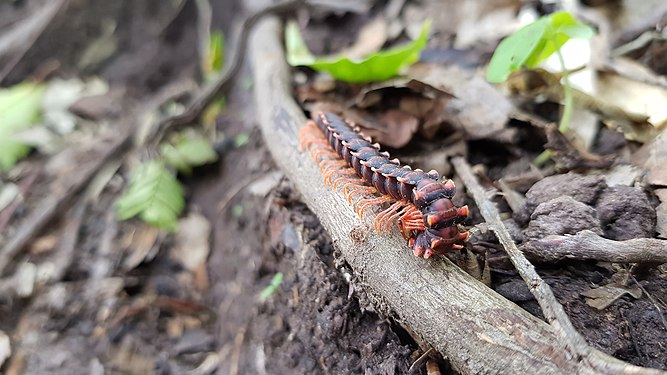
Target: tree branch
587 245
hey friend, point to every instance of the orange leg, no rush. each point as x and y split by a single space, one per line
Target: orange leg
309 135
342 177
317 152
412 219
331 168
385 217
363 204
356 189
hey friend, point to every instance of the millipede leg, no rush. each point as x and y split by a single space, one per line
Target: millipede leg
332 168
396 217
356 190
311 134
363 204
342 177
386 215
412 220
317 153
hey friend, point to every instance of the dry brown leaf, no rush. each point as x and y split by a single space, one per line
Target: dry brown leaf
538 82
395 128
661 212
633 97
5 348
191 243
142 242
602 297
569 156
476 106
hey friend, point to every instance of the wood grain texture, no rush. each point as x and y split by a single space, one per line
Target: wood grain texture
479 331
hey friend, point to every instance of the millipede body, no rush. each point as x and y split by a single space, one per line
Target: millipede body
419 204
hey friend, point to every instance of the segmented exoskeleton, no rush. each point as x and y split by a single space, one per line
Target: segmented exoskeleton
419 204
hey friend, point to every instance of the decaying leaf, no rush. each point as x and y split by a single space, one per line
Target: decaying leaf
476 106
602 297
395 128
8 192
633 97
569 156
191 247
141 243
653 158
5 348
631 121
661 213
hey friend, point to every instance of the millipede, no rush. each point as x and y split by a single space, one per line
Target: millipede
418 203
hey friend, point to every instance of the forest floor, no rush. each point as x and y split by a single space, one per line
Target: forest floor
122 297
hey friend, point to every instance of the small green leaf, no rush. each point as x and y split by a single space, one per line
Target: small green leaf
377 67
215 56
188 150
267 292
241 139
212 111
534 43
237 211
154 195
20 108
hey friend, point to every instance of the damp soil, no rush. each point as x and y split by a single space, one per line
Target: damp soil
317 321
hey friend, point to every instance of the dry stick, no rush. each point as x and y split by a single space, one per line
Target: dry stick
21 38
479 331
54 203
586 245
553 311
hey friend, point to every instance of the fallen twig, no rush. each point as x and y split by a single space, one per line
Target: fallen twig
20 39
587 245
553 311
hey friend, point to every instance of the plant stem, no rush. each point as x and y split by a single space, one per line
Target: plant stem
568 105
568 108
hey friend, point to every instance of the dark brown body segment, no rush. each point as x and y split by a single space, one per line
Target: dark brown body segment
432 198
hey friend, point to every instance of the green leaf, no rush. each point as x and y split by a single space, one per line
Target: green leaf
377 67
212 111
154 195
241 139
267 292
188 150
534 43
20 108
215 56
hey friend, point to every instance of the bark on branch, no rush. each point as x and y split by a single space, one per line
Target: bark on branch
587 245
479 331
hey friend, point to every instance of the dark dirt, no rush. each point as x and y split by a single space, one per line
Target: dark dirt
159 318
